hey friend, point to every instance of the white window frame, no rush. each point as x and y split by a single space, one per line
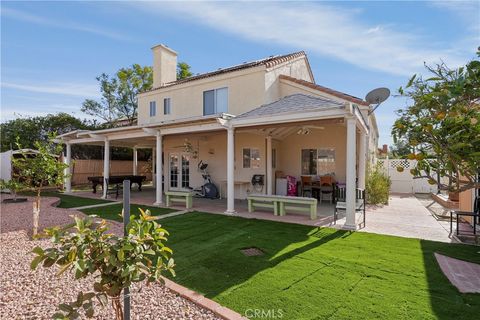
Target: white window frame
215 105
153 111
317 160
167 111
250 166
274 158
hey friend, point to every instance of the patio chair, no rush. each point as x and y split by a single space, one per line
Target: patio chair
475 215
307 185
326 192
115 189
360 203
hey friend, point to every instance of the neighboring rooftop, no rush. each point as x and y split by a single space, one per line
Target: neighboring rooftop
292 104
267 62
335 93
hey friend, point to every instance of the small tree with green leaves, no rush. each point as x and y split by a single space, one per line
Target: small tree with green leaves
442 125
114 262
38 170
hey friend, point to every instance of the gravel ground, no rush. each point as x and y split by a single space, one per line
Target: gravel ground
26 294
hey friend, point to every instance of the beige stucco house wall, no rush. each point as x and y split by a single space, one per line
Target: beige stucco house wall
247 88
212 149
333 136
270 100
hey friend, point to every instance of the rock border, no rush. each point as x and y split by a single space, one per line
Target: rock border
184 292
197 298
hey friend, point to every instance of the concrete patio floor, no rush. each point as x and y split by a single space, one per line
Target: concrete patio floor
404 216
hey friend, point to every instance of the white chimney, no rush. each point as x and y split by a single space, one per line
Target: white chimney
164 65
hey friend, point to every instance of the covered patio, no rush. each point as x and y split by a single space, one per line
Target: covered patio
266 141
145 197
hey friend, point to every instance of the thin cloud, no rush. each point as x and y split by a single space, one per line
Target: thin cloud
11 112
78 90
28 17
321 29
467 11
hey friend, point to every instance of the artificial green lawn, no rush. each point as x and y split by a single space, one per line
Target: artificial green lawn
316 273
114 211
70 201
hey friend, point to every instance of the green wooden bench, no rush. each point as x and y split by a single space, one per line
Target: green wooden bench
179 196
282 204
262 201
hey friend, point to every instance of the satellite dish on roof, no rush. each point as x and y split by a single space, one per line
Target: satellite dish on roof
377 96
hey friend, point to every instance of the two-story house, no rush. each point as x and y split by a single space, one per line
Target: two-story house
266 117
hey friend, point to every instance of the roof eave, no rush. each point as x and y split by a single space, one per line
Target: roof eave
287 117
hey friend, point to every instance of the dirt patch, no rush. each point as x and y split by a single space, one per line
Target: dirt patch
252 251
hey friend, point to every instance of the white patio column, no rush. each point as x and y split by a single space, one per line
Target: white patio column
154 179
159 167
135 161
269 165
230 171
106 167
362 160
350 222
68 170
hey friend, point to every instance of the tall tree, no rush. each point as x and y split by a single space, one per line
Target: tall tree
32 129
107 108
119 94
183 70
131 82
444 121
400 149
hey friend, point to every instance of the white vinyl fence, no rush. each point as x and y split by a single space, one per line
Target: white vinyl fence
6 165
403 182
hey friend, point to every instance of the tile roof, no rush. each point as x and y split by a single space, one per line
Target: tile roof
292 104
335 93
267 62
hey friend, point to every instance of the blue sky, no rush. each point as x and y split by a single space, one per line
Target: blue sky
51 52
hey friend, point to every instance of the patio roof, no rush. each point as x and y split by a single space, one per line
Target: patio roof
335 93
294 103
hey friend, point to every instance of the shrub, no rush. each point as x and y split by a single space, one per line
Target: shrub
377 185
13 185
114 262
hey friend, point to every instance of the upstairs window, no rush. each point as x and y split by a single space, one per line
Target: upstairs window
215 101
153 108
167 106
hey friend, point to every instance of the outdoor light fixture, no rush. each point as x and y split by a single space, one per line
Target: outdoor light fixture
303 131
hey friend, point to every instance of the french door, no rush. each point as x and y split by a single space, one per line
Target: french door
179 169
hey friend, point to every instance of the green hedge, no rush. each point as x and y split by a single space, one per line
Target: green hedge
377 185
